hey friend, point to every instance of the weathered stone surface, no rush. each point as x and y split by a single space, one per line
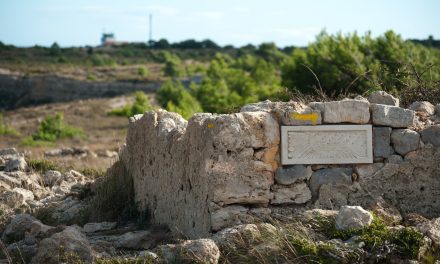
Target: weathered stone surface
16 229
367 170
381 142
228 236
16 163
11 181
405 140
386 211
381 97
230 216
347 111
287 175
191 251
437 109
329 176
297 194
302 117
72 240
96 227
204 160
27 195
340 144
431 135
431 229
392 116
136 240
412 186
51 177
353 217
423 106
8 152
395 159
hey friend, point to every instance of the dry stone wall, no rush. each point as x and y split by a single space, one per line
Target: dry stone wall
215 171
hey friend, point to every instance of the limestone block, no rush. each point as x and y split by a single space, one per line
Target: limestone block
405 140
392 116
431 135
423 106
302 117
367 170
381 97
230 216
290 174
296 194
381 142
347 111
329 176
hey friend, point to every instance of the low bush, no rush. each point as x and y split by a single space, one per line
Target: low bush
141 105
52 128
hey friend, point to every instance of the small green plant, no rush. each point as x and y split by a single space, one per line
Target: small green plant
142 71
5 129
93 173
141 105
51 129
91 77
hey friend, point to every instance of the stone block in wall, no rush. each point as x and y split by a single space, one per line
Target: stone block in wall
431 135
381 97
365 171
230 216
405 140
347 111
382 142
287 175
302 117
392 116
423 106
298 193
329 176
395 159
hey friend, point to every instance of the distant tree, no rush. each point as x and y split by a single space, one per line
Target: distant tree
173 96
55 49
161 44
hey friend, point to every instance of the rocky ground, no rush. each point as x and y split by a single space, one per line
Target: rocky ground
50 216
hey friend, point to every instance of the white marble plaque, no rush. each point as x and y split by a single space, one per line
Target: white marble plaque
333 144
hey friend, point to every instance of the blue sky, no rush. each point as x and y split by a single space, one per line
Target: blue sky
81 22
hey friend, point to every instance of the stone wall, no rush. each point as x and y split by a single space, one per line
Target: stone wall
216 171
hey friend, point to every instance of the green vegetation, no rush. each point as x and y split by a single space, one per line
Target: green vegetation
378 236
52 128
339 65
140 105
174 97
143 71
5 129
42 165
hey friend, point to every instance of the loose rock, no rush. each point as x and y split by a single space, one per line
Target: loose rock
190 251
424 107
296 194
17 163
381 97
353 217
431 135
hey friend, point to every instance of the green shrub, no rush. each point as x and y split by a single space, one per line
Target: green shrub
51 129
351 64
174 97
173 66
5 129
142 71
141 105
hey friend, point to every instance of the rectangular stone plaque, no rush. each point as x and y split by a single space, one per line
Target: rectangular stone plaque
333 144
